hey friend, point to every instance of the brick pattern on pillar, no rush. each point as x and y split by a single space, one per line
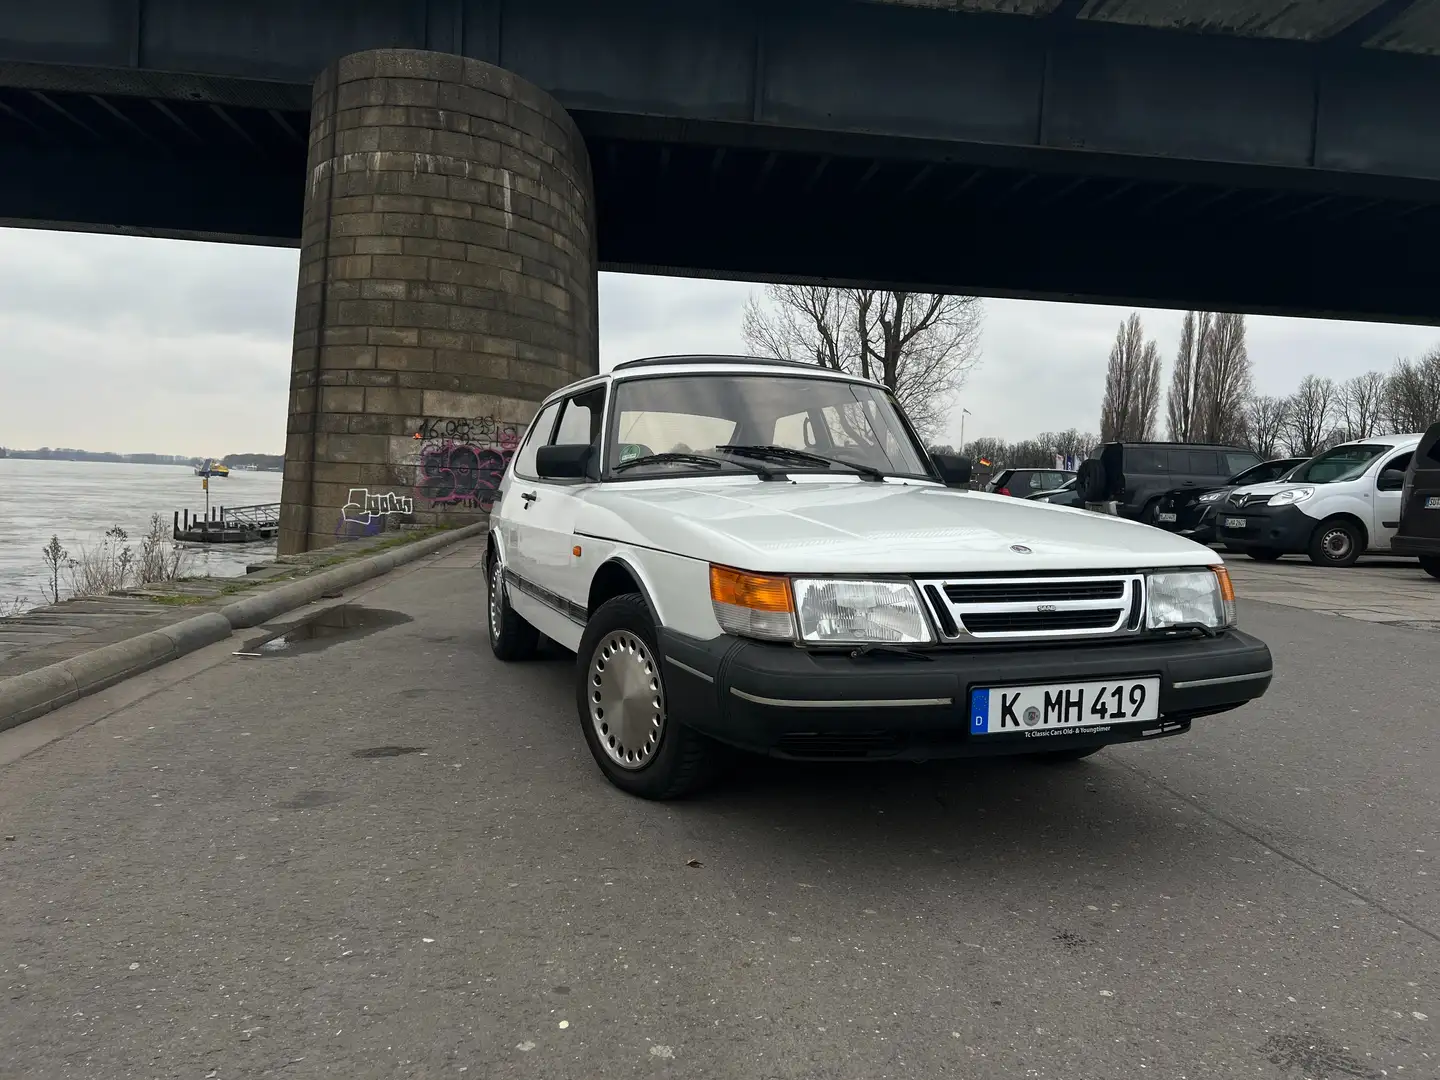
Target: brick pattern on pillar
447 285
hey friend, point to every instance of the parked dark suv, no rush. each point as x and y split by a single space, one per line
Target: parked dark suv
1419 531
1144 472
1190 511
1022 483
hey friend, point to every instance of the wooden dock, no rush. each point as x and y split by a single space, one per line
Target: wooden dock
229 525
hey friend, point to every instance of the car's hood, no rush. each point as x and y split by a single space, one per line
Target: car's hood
851 527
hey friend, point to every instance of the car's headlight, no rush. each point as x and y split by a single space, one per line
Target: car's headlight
1294 495
1180 597
1211 496
839 612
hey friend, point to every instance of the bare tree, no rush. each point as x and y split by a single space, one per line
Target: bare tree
921 345
1362 403
1311 416
1224 382
1182 405
1412 393
1132 385
1266 422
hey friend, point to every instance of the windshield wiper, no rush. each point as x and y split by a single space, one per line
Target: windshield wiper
785 453
695 459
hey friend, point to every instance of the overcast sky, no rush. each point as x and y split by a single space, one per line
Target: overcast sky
129 345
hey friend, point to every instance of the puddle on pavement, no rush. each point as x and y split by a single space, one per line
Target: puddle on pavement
344 622
387 751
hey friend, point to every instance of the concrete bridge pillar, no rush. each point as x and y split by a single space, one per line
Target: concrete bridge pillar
447 284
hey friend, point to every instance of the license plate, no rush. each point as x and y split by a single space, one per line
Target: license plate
1432 502
1036 710
1162 516
1234 523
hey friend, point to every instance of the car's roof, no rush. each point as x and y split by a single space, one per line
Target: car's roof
1383 440
1188 446
708 364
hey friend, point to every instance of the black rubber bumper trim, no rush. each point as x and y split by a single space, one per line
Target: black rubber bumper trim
791 702
1415 545
1285 529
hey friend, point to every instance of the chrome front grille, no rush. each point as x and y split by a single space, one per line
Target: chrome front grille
1026 608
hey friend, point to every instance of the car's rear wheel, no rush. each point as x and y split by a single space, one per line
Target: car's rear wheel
1336 542
1431 565
620 695
1263 554
511 637
1074 753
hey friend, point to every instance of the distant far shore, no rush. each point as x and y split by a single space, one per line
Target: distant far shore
257 462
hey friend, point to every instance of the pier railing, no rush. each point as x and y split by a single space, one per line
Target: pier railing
229 524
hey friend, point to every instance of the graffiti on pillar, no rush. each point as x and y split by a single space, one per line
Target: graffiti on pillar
364 512
462 461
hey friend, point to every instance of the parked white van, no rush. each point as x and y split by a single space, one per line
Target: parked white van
1337 506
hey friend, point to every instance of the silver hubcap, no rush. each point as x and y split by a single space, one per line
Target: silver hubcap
1336 543
627 703
497 609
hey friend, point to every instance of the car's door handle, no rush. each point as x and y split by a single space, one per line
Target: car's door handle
529 497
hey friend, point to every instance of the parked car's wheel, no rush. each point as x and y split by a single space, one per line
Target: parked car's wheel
1263 554
1148 515
620 694
511 637
1074 753
1431 565
1336 542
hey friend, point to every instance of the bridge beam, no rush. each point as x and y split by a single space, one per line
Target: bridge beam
447 284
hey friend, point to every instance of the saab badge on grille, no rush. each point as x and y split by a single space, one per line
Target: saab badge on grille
1045 607
1021 549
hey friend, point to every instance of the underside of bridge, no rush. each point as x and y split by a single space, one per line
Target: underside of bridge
454 192
1259 157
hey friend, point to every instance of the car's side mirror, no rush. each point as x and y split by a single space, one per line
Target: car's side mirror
1390 480
954 469
563 461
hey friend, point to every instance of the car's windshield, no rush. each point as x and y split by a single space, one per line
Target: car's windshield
1338 464
759 415
1262 473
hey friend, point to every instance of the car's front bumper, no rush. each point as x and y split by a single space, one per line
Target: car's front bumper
796 703
1415 545
1286 529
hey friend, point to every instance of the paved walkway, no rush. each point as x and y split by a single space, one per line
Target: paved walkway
381 853
71 628
1374 590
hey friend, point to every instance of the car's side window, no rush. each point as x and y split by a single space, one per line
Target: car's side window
581 419
1237 463
536 437
1145 461
1205 462
1397 464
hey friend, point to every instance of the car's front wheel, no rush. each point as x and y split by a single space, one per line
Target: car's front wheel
620 694
1336 542
511 637
1431 565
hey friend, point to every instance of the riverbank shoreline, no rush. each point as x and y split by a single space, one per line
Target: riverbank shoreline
53 655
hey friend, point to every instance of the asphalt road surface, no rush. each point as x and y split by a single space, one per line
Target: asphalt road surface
382 853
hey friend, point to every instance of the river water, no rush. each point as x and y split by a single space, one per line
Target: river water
79 500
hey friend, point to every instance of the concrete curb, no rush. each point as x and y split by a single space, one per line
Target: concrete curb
35 693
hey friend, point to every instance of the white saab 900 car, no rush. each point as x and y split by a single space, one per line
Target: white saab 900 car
761 555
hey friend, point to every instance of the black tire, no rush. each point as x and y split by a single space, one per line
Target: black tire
511 637
1336 542
1264 554
1431 565
673 760
1147 515
1060 757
